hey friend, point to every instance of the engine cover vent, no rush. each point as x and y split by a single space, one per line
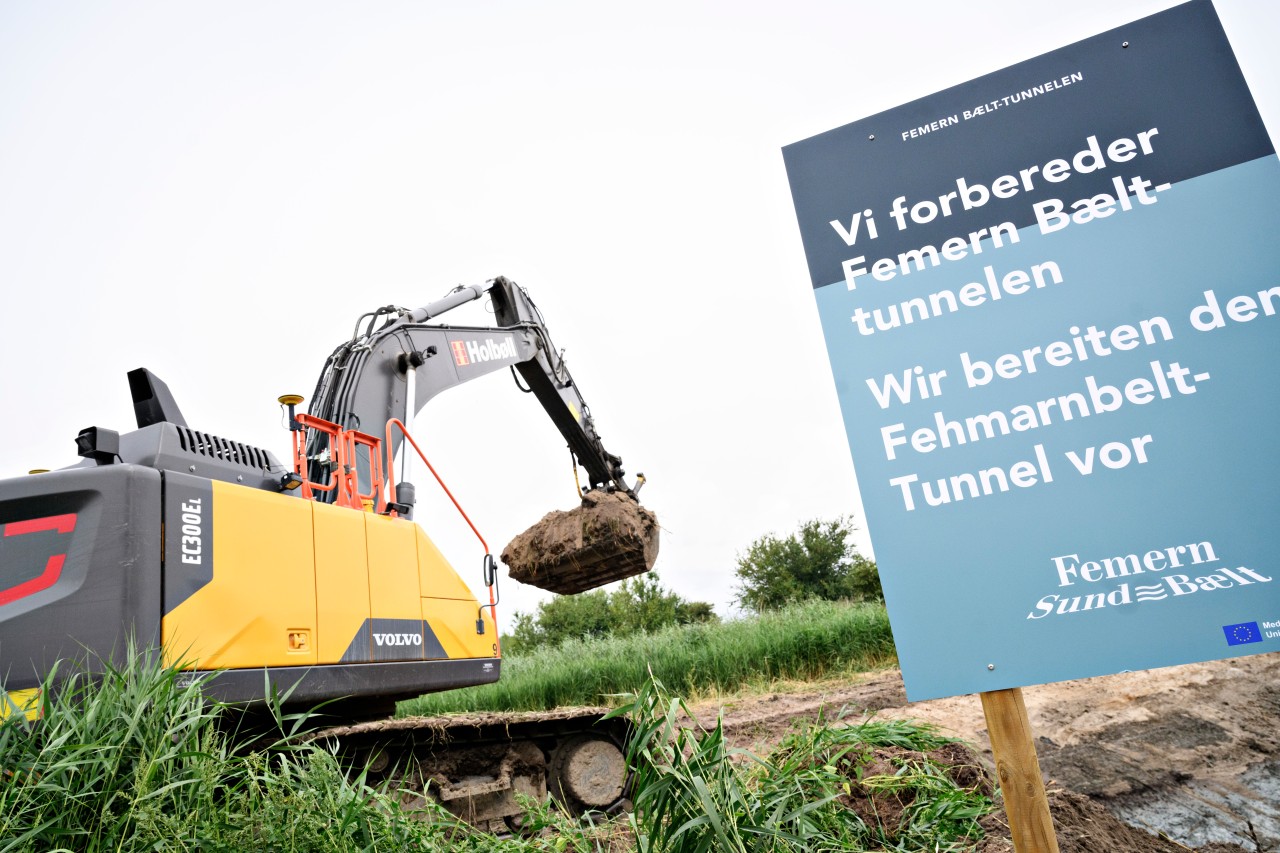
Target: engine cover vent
234 452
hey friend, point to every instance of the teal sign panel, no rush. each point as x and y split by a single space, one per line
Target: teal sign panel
1051 299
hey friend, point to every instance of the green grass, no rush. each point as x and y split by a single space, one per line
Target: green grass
132 761
805 642
694 794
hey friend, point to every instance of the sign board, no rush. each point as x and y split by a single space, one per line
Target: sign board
1051 299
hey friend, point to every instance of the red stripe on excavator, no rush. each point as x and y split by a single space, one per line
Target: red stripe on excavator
52 569
61 523
47 578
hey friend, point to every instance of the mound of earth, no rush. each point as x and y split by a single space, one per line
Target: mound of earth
888 806
1187 757
608 538
1082 826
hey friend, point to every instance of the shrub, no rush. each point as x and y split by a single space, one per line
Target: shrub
637 604
817 561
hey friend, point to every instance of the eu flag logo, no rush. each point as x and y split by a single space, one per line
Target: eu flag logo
1245 632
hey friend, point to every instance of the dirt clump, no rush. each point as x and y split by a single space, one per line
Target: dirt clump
608 538
875 797
877 805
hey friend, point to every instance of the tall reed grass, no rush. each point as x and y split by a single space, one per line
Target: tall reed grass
132 760
804 642
695 794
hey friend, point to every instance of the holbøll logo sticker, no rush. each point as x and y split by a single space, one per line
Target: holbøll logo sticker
459 353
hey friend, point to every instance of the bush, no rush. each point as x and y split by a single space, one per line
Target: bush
638 604
817 561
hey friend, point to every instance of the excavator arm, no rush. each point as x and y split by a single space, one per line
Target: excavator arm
400 360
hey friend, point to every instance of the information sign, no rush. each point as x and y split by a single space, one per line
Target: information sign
1051 299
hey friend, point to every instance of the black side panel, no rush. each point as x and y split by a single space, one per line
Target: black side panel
188 546
384 639
314 684
79 568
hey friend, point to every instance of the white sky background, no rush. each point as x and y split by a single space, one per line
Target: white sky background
217 191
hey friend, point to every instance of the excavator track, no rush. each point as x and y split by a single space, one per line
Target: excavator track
475 764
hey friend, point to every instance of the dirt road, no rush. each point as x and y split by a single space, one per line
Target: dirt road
1190 752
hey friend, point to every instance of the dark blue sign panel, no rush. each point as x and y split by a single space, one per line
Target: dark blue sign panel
1050 298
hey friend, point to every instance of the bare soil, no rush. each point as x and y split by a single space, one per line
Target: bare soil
607 538
1175 759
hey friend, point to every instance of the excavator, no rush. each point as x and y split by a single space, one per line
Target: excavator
311 582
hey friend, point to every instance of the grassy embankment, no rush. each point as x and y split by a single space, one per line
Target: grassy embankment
133 761
806 642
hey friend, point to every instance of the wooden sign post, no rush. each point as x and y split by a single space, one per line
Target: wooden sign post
1018 769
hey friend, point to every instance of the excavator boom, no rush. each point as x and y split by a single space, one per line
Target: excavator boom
402 359
392 371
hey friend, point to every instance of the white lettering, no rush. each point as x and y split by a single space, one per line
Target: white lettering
490 350
398 639
191 541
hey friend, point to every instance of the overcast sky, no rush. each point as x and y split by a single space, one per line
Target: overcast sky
217 191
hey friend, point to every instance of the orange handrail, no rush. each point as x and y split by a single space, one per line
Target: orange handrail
490 570
344 462
391 477
344 479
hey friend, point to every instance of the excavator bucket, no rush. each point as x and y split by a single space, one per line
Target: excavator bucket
608 538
